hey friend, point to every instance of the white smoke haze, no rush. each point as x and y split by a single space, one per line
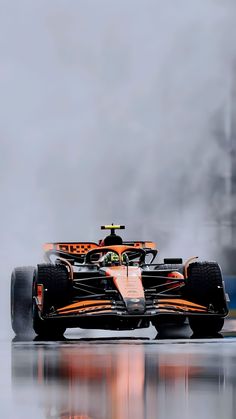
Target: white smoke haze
107 114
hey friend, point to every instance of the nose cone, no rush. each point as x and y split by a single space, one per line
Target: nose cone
128 282
135 305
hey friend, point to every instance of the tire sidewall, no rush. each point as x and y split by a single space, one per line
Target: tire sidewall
21 300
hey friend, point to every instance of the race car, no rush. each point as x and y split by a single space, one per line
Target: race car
115 285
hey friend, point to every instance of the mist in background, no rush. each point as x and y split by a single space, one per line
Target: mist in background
110 112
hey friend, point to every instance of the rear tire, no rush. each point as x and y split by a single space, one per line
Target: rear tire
57 293
21 300
205 286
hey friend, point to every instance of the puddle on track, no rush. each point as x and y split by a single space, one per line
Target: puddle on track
121 377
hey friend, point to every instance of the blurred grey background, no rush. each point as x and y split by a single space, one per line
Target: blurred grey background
117 111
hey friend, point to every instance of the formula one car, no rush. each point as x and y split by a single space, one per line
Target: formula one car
116 285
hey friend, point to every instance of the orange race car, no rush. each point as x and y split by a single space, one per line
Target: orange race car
116 285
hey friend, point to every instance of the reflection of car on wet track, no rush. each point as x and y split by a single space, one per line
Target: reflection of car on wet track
125 379
115 285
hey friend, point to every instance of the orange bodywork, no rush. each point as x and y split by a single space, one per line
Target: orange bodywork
142 245
175 275
71 248
180 304
101 309
40 295
82 248
83 306
127 281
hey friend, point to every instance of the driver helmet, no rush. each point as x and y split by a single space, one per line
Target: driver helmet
111 258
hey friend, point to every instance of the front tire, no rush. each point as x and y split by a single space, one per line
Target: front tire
21 300
46 328
205 325
205 286
57 293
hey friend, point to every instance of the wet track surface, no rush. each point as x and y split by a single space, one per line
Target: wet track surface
129 375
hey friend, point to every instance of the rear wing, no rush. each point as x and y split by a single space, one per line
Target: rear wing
141 244
82 248
74 248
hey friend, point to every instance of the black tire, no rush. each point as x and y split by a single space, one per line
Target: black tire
46 328
57 293
203 326
205 286
21 300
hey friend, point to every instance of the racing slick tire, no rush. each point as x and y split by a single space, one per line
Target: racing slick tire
21 299
205 286
57 292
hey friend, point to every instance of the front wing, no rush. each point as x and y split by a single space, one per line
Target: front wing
164 306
